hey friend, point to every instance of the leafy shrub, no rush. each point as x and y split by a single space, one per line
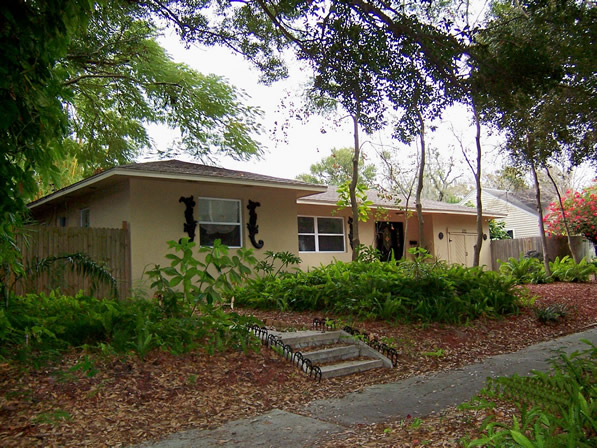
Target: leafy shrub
529 269
557 410
524 270
38 323
190 282
416 290
551 313
267 265
566 270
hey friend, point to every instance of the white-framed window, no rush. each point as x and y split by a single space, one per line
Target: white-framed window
220 219
510 232
85 217
321 234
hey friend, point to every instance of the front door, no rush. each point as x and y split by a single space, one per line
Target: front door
461 248
389 239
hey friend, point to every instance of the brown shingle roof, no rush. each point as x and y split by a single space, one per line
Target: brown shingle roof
195 169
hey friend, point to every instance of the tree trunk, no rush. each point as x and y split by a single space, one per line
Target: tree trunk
479 244
540 211
419 206
352 188
574 255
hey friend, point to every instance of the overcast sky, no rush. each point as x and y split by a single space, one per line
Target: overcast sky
287 154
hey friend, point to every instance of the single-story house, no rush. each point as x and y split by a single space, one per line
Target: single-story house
522 219
166 200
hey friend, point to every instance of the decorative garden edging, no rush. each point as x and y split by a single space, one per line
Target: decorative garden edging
275 343
391 353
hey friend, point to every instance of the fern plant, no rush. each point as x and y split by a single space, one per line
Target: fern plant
524 270
566 270
557 410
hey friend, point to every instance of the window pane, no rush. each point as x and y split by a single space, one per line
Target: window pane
330 225
214 210
230 235
331 244
306 225
85 217
306 243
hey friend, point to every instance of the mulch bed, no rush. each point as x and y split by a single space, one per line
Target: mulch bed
129 401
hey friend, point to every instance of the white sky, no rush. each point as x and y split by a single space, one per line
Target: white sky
305 143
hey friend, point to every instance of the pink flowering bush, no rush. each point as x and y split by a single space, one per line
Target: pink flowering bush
580 209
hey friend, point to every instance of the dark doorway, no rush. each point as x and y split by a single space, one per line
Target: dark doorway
389 237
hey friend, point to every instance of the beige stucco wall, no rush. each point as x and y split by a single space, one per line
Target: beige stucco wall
459 224
434 224
157 217
108 208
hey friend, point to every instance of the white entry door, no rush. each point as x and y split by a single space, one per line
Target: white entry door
461 248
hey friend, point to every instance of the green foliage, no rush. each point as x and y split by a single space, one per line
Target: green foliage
367 254
37 325
363 204
416 290
566 270
524 270
336 169
551 313
556 410
497 230
33 36
268 264
53 418
80 263
529 269
189 282
120 79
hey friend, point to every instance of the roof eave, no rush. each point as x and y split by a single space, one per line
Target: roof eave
302 190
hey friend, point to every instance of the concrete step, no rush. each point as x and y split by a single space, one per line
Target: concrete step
347 349
333 354
349 367
308 338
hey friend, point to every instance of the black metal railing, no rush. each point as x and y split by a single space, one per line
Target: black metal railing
277 344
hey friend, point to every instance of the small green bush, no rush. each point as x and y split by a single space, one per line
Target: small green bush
524 270
529 269
566 270
551 313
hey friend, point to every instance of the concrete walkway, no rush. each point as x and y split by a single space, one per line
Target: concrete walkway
417 396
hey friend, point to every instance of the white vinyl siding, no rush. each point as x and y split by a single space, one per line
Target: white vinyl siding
522 223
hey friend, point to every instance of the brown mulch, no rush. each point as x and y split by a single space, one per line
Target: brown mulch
129 401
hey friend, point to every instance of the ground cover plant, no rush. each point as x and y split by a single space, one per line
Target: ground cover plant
36 328
182 316
558 409
91 398
417 290
527 269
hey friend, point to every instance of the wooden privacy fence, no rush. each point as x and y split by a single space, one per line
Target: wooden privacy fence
110 247
557 246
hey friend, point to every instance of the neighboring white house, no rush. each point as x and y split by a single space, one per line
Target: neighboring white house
522 219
